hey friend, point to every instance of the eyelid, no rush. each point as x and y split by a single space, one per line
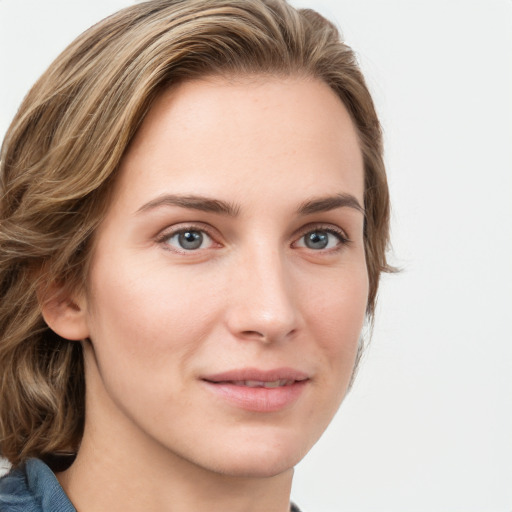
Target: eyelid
170 231
329 228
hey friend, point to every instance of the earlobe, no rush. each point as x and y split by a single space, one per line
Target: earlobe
65 316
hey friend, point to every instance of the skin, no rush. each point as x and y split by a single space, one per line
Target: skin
160 317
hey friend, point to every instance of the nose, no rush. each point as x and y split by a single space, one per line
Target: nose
262 303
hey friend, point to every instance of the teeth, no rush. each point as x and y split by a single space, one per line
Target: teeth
263 384
252 383
274 384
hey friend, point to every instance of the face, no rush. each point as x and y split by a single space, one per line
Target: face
228 283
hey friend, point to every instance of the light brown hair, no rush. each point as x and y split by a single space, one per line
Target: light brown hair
60 156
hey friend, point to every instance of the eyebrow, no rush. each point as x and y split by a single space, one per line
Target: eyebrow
325 204
201 203
206 204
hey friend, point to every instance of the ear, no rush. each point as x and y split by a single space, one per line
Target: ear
64 314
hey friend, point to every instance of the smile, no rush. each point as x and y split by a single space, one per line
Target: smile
258 391
263 384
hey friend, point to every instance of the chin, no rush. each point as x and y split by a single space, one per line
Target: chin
260 456
256 466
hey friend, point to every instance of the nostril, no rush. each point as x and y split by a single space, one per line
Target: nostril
256 335
263 337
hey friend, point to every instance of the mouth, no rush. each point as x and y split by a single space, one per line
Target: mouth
254 377
259 383
258 391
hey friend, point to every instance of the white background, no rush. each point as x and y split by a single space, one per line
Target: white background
428 425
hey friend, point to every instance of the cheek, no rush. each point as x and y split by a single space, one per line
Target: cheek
337 313
146 318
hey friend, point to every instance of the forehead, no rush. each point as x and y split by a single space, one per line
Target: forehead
218 136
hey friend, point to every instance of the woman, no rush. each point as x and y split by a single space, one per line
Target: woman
194 219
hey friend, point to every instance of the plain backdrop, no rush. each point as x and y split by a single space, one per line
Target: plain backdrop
428 424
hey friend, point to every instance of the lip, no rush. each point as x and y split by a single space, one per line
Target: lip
231 387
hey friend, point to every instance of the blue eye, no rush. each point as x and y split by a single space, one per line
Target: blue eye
320 239
189 240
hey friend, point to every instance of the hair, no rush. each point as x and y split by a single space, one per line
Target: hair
59 160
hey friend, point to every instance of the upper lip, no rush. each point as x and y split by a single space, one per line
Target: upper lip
255 374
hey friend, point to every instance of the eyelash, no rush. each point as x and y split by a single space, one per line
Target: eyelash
164 238
343 239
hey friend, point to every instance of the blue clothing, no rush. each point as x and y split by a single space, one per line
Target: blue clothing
33 487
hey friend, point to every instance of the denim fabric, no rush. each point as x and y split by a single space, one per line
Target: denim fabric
33 488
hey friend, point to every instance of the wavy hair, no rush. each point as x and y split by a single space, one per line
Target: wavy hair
60 156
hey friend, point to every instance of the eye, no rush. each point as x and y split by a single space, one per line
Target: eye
189 239
321 239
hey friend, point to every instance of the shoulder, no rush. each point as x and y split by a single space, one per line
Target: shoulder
14 492
32 487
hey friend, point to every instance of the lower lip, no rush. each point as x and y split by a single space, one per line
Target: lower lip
258 399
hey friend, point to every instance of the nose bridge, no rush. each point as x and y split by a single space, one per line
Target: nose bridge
263 305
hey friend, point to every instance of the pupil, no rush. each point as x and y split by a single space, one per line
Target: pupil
191 239
317 240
